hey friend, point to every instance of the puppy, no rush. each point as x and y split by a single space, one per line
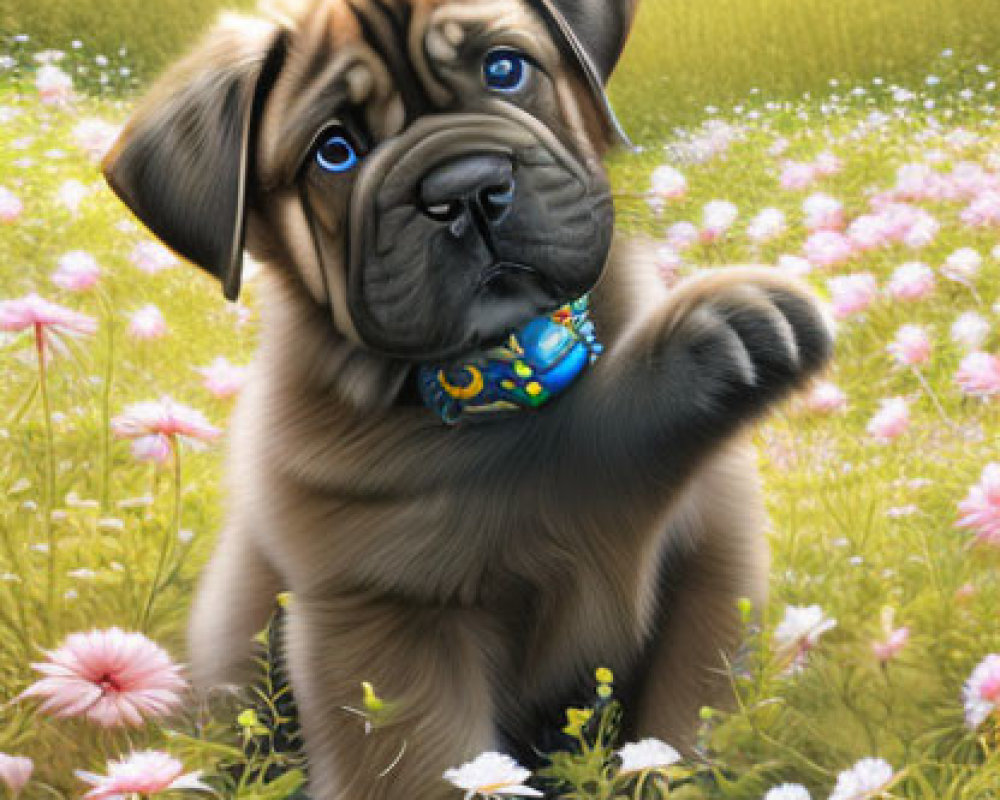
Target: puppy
422 178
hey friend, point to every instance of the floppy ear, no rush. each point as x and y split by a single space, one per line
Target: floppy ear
594 32
183 161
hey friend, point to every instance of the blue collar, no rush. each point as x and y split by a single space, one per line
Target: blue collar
538 362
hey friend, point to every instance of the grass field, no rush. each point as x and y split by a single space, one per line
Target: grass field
864 504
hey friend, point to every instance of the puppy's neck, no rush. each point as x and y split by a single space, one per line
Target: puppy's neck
300 340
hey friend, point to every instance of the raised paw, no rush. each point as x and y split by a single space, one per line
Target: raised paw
743 338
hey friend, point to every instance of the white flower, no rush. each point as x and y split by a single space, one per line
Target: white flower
970 330
963 264
799 632
788 791
647 754
491 775
982 691
868 778
668 183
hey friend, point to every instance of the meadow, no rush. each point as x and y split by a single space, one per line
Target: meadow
872 673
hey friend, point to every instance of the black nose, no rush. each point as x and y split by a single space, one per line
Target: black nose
478 187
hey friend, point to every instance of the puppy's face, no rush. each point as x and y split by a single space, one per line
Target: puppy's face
429 168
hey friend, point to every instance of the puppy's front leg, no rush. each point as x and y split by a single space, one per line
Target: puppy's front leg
723 348
429 666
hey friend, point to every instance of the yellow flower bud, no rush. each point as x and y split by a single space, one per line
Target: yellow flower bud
605 675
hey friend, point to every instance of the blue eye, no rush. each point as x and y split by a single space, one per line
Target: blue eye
337 152
506 71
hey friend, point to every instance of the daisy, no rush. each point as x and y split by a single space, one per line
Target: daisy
788 791
718 217
157 426
800 630
110 677
962 265
145 773
970 330
823 212
491 775
981 507
868 778
981 692
828 248
50 321
649 754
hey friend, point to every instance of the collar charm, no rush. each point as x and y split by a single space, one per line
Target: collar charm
537 363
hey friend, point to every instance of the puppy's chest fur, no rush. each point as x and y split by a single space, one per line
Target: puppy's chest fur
394 503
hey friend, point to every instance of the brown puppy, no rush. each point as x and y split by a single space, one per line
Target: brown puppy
422 177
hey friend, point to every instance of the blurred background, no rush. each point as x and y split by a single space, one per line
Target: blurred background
685 53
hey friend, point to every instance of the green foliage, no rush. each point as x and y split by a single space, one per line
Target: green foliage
687 55
153 33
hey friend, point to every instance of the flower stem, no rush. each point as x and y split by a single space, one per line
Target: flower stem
109 376
48 489
933 397
171 535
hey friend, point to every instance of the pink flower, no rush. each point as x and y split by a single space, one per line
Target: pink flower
891 420
11 206
718 217
767 225
95 137
668 183
981 692
922 231
912 346
979 374
146 773
911 281
49 320
852 294
981 507
823 212
826 398
828 248
869 231
15 772
970 330
827 164
984 210
222 379
152 257
109 677
54 86
147 323
77 271
668 263
894 640
962 265
682 236
156 426
796 175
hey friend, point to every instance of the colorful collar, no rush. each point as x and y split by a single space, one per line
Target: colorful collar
537 363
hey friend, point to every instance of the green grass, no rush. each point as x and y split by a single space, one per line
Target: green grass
830 487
